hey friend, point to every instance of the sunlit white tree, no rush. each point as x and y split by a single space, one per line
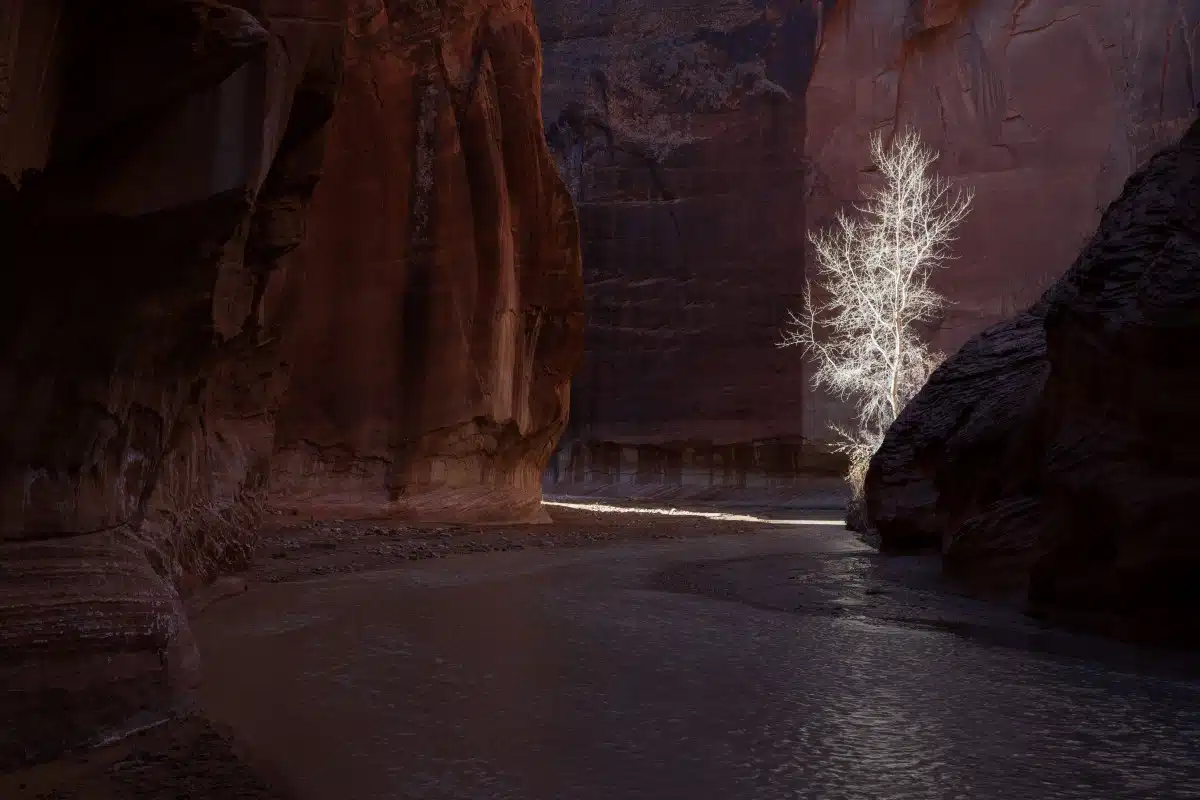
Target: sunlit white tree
872 282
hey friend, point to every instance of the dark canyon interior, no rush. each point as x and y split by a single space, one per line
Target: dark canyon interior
423 260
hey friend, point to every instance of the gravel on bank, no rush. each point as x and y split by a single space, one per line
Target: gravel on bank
295 549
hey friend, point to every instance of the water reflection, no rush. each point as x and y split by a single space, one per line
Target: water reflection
579 682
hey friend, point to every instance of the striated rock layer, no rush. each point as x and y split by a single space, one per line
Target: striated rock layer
702 138
437 315
1043 107
680 130
1054 454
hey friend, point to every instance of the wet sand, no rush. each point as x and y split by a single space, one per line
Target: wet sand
190 758
293 549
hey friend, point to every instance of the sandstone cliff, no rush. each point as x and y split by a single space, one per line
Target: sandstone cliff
680 129
701 140
438 311
1054 455
1044 107
157 160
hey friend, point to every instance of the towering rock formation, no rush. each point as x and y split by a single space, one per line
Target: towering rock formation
680 129
157 159
702 140
1054 455
439 310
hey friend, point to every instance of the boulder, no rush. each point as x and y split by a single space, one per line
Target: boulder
1053 455
93 644
957 429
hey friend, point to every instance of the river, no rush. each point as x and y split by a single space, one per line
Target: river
825 672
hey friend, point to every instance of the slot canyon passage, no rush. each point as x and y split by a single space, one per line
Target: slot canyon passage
356 354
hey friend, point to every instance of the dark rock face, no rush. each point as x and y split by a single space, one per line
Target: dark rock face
156 158
701 140
438 311
970 405
1053 454
680 131
157 161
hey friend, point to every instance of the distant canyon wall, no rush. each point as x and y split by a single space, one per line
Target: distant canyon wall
1043 107
702 142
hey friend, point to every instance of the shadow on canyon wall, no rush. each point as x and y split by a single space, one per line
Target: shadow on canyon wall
173 357
318 254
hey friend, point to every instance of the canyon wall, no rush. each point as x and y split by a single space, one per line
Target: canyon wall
157 159
680 129
1053 458
157 163
436 309
701 140
1043 107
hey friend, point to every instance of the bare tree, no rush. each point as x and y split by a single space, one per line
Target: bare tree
873 271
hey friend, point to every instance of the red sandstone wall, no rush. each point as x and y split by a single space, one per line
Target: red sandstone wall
436 311
1043 107
157 158
702 141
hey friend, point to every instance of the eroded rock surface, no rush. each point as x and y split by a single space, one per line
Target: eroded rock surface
438 315
702 138
978 397
680 130
157 160
1053 455
1043 107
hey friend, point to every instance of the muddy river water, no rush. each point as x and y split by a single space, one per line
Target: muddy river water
794 663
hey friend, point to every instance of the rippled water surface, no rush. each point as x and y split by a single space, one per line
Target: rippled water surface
565 676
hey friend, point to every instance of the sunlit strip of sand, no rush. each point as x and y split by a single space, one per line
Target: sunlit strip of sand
679 512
